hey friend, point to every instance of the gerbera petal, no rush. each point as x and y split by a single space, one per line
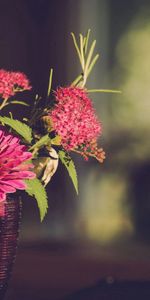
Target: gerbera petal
17 184
27 174
13 166
6 188
2 196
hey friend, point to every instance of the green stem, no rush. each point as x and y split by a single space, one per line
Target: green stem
77 80
35 151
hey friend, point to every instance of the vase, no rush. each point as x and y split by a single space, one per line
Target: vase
9 231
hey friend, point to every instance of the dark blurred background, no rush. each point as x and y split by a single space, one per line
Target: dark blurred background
98 242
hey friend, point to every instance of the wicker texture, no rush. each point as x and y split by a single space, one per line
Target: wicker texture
9 230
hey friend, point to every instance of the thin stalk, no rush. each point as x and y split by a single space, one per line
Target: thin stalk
50 82
104 91
35 151
86 153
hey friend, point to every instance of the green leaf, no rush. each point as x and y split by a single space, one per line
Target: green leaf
19 102
87 40
50 82
76 46
69 164
43 141
90 54
104 91
37 190
21 128
81 51
92 64
56 140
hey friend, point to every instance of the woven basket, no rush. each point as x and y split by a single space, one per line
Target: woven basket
9 231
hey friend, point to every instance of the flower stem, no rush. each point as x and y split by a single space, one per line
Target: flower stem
77 80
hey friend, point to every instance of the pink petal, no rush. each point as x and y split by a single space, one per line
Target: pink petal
2 196
6 188
18 184
24 167
26 156
26 174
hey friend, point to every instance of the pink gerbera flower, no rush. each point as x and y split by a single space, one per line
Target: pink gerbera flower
13 166
10 82
74 117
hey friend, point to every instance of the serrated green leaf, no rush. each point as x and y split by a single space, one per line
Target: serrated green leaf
21 128
69 164
43 141
37 190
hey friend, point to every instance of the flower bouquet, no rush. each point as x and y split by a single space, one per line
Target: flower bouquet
30 149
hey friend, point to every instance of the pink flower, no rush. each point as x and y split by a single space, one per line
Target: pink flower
13 166
74 118
10 82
